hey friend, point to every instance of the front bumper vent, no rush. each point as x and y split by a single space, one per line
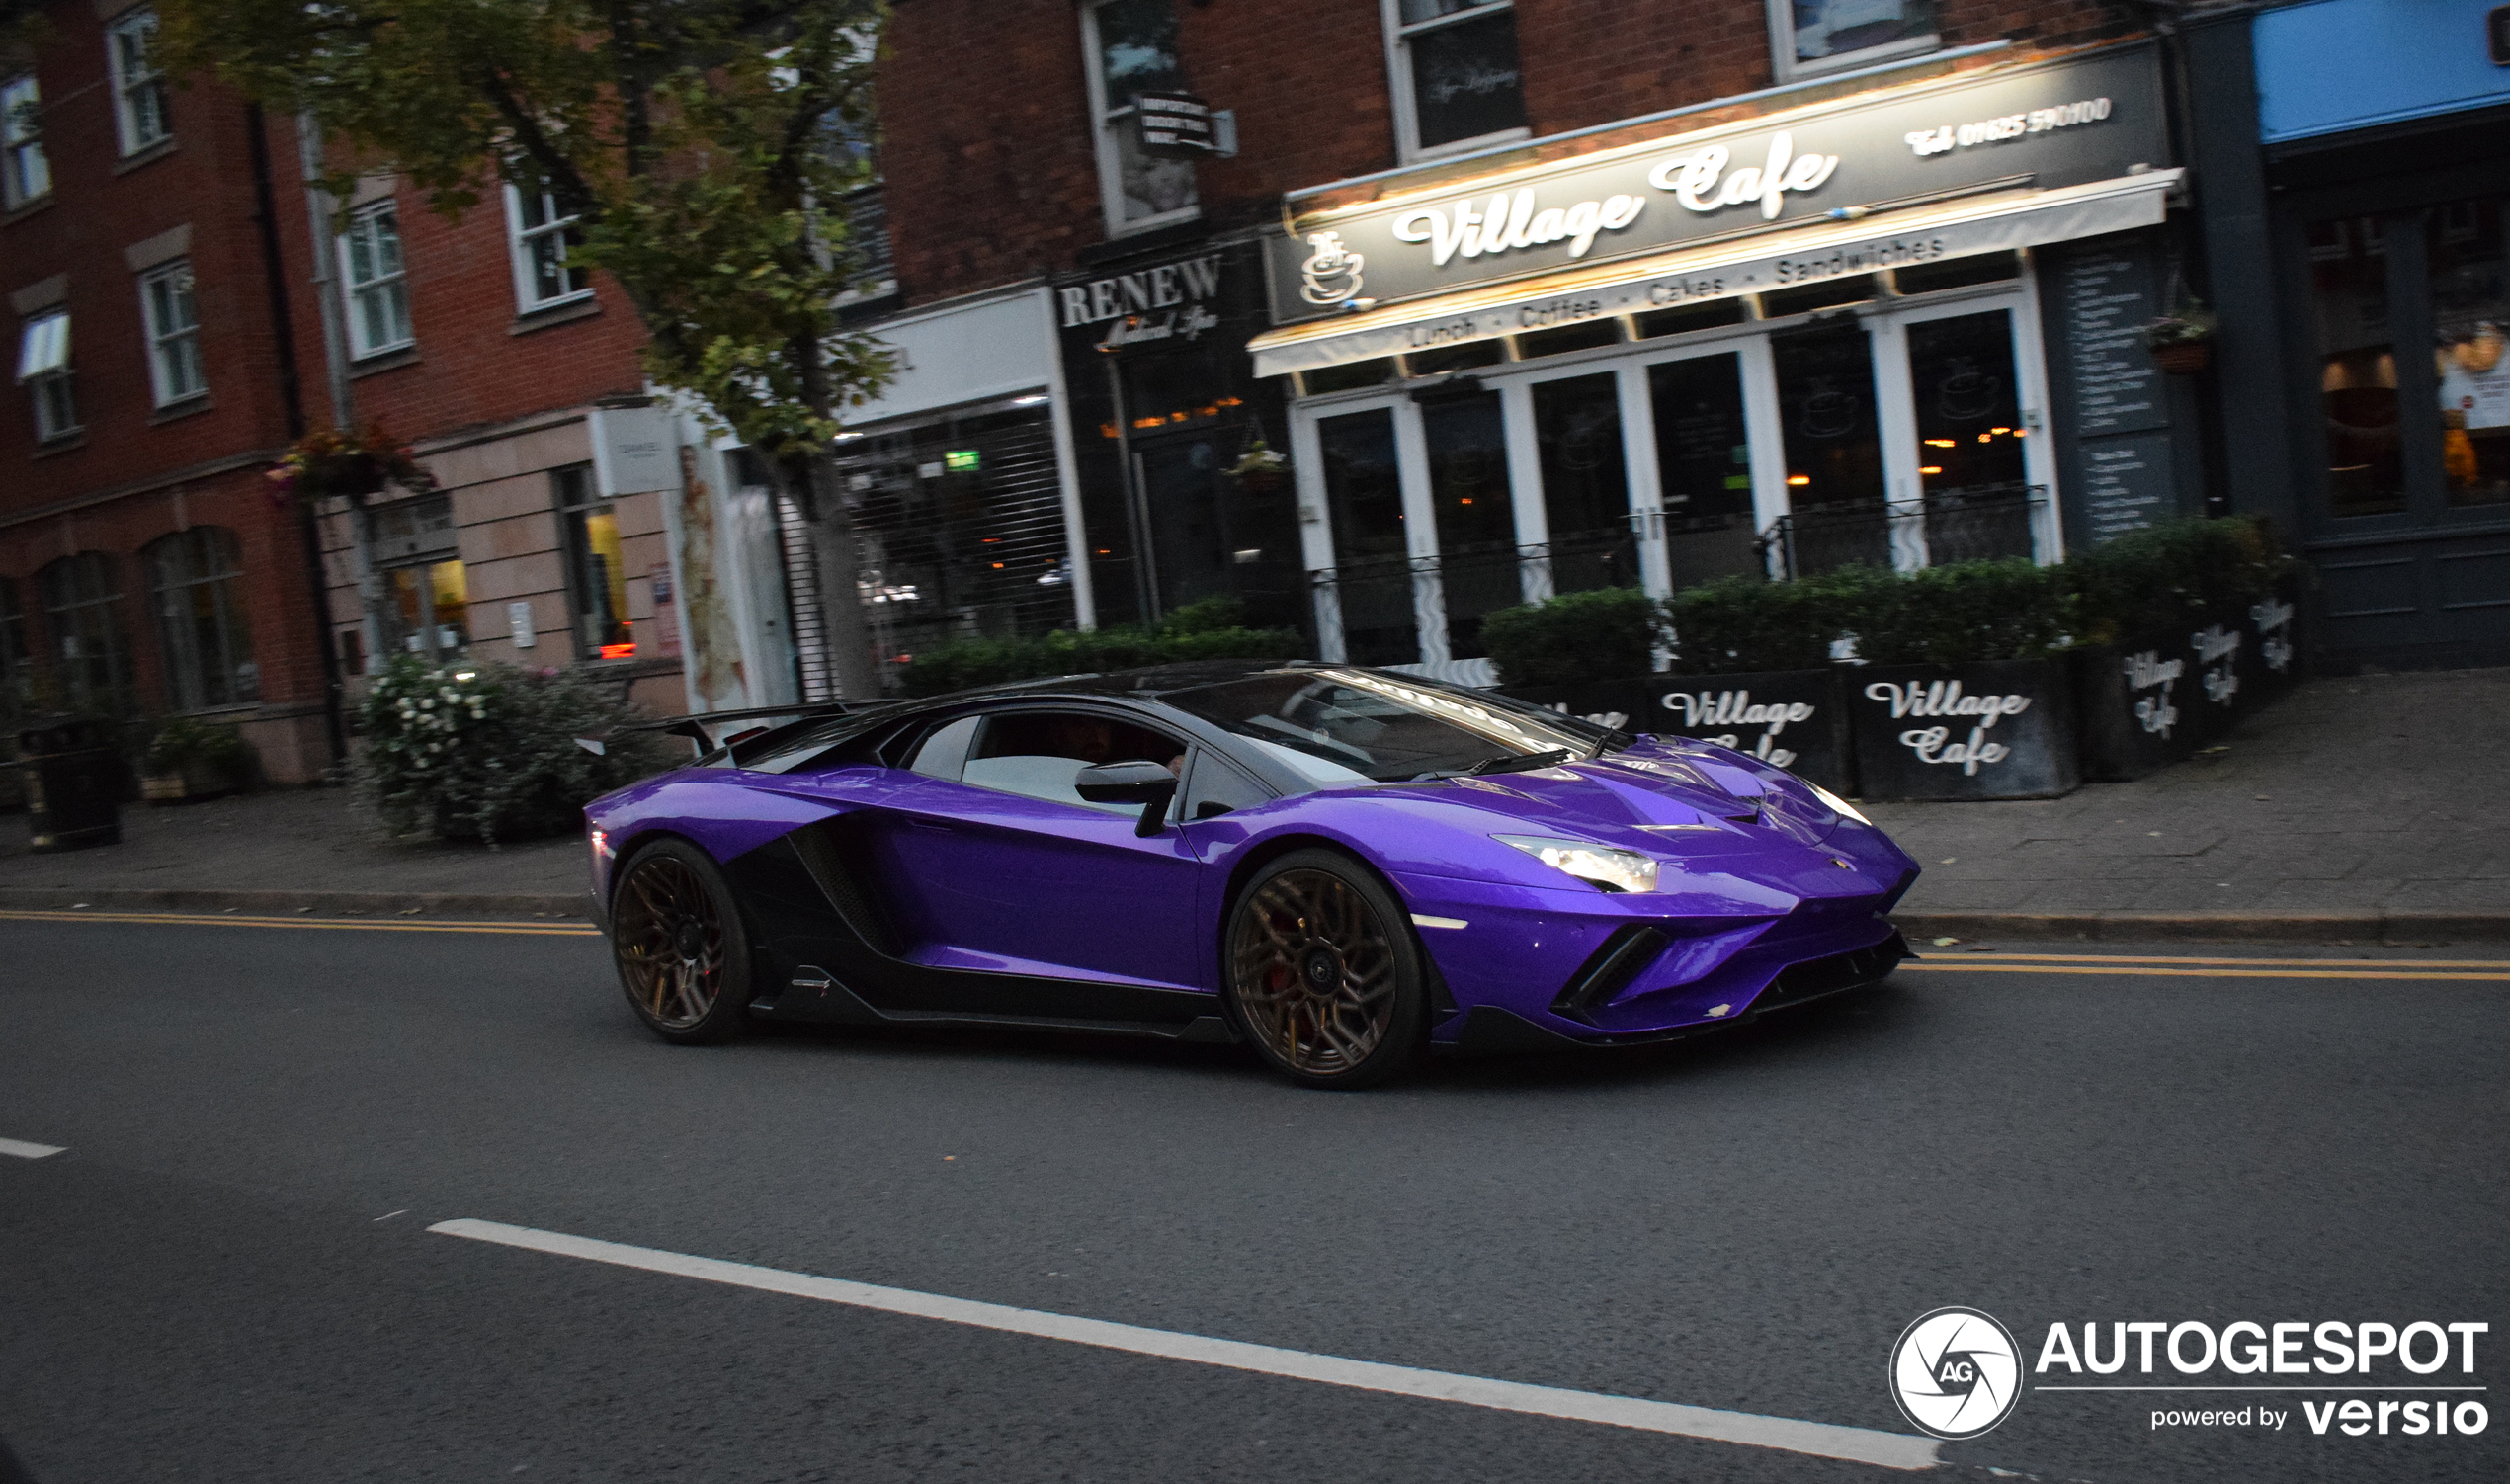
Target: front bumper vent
1609 971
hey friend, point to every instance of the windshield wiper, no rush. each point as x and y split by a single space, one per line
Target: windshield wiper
1520 762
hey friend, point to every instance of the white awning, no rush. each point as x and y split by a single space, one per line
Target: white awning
1999 222
43 347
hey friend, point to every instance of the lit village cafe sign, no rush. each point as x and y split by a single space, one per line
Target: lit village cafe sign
2046 128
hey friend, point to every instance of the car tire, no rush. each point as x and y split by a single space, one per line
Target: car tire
1320 970
676 938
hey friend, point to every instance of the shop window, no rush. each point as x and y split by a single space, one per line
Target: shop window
1830 293
377 286
142 114
596 568
1592 335
2357 376
82 606
2471 319
1957 273
1467 439
44 369
1351 376
1130 47
1703 467
174 333
26 172
1832 440
428 604
1585 483
1809 38
1364 491
959 526
195 580
1454 73
542 234
17 669
1968 406
1685 319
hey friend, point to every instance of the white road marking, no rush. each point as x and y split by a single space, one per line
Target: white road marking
1821 1440
1438 922
21 1149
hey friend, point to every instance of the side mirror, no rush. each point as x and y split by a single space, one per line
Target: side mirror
1145 784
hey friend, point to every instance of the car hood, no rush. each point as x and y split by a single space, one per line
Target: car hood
1714 813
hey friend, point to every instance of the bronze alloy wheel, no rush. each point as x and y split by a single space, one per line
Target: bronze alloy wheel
670 941
1315 973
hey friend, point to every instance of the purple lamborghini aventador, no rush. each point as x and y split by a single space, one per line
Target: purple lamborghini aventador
1343 866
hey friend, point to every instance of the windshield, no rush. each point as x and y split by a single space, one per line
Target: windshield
1347 726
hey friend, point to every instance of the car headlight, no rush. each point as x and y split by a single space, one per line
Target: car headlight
1836 804
1612 869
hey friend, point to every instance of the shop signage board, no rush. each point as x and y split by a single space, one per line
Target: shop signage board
1996 223
1995 729
1174 124
2064 124
2125 485
2106 298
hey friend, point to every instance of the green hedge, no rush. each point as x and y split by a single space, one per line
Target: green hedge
2137 589
1206 630
1604 635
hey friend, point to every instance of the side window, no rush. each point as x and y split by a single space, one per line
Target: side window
1037 754
942 754
1214 789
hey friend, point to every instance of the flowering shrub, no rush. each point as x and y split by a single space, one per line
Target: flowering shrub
488 752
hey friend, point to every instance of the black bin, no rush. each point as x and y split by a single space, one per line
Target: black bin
73 785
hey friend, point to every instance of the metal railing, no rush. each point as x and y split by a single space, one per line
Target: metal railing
1946 526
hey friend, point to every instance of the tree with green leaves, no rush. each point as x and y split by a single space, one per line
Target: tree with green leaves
704 146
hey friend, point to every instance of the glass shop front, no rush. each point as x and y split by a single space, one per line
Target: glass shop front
1796 392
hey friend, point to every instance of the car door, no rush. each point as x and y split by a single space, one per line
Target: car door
1004 867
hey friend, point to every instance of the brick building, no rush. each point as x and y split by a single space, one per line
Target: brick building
143 566
184 307
1914 341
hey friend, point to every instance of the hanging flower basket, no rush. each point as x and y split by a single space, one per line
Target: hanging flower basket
2185 359
2182 344
1261 471
327 463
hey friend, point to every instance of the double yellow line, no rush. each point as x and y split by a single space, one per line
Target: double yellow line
1935 961
395 924
2161 966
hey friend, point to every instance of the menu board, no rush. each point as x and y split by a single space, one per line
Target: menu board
2125 483
2107 299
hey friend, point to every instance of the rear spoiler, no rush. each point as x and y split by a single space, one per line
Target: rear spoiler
708 730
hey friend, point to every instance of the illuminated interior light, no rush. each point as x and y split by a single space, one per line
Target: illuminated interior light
1943 442
1930 468
1467 499
997 566
618 651
2000 430
1800 480
1983 437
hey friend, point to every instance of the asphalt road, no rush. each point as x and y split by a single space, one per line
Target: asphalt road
228 1272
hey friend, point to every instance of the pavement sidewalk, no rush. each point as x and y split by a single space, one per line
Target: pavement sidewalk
2364 808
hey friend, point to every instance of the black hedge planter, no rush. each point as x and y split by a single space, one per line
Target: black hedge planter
1996 729
2132 706
1797 719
